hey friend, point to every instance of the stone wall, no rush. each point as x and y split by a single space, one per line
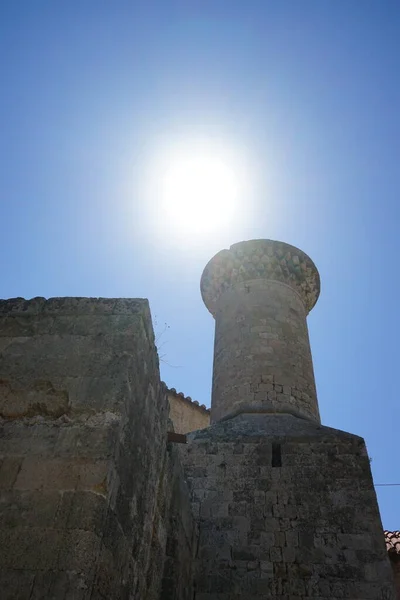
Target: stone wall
392 539
185 414
286 510
88 484
395 562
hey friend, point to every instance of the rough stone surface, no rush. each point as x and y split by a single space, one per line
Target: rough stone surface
395 562
260 259
392 539
92 498
259 293
286 510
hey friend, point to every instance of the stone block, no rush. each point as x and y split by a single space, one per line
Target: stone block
79 550
62 474
97 394
33 548
33 367
109 579
265 387
83 510
28 508
82 441
68 585
20 438
289 554
16 585
9 469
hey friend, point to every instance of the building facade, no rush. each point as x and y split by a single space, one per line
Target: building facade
186 414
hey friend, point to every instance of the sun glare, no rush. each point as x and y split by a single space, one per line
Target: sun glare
199 189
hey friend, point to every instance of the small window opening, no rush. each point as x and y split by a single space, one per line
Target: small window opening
276 455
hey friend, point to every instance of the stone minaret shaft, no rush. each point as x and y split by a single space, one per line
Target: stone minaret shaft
260 293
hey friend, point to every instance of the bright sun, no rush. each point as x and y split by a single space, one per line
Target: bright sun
199 190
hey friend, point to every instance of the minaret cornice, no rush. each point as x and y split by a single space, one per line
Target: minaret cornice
260 259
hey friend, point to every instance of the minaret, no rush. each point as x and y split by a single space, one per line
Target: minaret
285 507
260 293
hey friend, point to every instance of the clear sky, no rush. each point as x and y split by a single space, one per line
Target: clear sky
305 94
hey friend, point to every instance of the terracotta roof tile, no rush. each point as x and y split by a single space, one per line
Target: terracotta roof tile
392 539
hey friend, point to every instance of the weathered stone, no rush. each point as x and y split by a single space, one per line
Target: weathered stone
262 313
17 584
287 546
9 469
91 497
28 508
93 500
304 492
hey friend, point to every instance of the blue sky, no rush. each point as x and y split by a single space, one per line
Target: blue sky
308 91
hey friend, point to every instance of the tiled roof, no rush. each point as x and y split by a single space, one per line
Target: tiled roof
187 399
392 539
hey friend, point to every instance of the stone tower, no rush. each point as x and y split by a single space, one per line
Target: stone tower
286 507
260 293
96 501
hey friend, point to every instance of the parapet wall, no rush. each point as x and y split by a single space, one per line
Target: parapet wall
92 497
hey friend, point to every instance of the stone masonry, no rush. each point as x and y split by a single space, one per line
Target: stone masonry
286 510
286 507
392 539
259 294
93 504
266 503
